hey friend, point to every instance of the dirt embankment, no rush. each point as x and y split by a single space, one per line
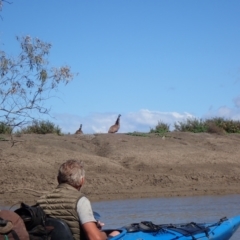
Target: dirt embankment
120 166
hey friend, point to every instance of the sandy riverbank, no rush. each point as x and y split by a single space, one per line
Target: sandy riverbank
119 166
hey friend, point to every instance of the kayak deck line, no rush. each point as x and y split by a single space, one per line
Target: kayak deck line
220 230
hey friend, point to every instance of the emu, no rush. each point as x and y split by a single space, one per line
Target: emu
79 131
114 128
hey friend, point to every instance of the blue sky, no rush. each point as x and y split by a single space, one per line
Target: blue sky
150 61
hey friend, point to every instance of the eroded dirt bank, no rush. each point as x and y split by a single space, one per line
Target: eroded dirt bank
120 166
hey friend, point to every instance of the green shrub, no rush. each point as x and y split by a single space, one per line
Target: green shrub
161 128
213 128
214 125
5 129
228 126
191 125
231 126
217 125
137 134
42 127
218 121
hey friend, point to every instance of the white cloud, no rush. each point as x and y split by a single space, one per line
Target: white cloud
237 101
224 112
140 121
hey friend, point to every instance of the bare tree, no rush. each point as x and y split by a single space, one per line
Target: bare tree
1 4
26 81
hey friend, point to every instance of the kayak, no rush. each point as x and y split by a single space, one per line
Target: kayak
220 230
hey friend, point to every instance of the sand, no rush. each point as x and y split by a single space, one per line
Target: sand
120 166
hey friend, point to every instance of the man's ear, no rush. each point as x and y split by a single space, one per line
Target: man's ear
82 181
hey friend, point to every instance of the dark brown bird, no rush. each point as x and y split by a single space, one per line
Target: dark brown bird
79 131
114 128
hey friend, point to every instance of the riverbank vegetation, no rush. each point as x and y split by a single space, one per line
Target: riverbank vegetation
214 125
37 127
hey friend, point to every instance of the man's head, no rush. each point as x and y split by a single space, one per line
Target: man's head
72 173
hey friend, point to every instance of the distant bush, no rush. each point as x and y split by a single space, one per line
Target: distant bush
213 128
42 127
161 128
218 121
231 126
137 134
227 126
215 125
5 129
191 125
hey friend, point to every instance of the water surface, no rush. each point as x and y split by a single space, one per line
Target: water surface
119 213
168 210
